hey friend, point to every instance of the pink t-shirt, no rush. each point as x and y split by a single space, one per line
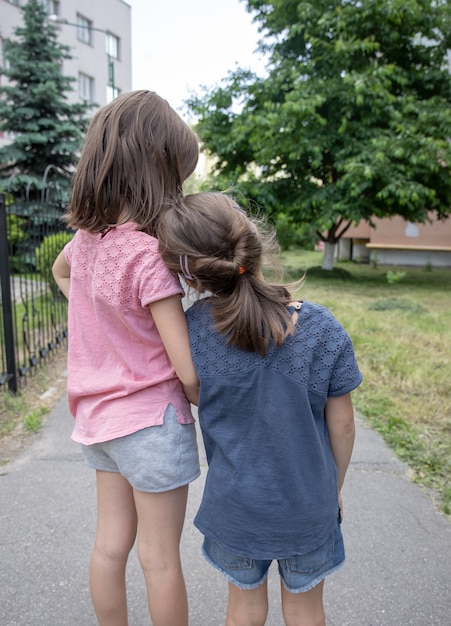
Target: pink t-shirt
120 378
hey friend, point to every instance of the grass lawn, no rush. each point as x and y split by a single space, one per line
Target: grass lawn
401 332
21 416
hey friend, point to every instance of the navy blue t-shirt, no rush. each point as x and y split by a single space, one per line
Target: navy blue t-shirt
271 486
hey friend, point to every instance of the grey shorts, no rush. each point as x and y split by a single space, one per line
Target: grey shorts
154 459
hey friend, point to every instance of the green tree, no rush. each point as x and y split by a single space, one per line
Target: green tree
352 121
46 129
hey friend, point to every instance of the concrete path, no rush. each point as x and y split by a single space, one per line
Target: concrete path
398 571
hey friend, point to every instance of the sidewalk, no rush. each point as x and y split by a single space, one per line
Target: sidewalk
398 570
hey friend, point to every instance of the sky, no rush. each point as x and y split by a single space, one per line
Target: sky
179 46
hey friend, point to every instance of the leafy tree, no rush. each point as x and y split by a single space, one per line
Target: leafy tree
46 130
352 121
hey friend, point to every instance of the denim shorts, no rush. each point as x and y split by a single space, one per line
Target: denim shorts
154 459
298 573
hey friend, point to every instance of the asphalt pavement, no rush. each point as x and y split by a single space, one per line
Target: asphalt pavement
398 570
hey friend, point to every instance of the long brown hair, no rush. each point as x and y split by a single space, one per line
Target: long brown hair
137 154
210 240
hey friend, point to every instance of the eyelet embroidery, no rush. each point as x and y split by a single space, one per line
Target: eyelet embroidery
319 352
125 263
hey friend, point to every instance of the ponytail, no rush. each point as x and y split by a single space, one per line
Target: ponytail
220 250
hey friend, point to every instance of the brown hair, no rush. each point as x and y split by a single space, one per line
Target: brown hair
209 239
137 154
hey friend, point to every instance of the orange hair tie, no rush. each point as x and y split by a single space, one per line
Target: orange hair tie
241 269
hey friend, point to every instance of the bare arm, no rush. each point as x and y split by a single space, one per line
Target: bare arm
61 273
171 323
341 427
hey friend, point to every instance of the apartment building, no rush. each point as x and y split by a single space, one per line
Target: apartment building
98 33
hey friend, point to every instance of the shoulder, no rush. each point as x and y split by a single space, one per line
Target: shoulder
80 245
199 311
318 331
121 241
131 248
211 353
133 241
317 314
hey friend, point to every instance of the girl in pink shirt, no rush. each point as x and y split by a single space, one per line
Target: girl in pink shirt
130 373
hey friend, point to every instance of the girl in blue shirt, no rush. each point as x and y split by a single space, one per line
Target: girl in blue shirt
275 409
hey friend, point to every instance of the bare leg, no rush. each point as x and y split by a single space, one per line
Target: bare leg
115 536
304 609
160 524
247 607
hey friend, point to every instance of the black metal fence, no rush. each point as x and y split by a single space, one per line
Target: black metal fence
33 314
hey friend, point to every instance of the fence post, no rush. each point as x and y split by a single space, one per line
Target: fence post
8 323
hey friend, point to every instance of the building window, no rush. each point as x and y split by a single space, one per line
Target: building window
84 32
51 6
15 2
112 45
111 93
85 87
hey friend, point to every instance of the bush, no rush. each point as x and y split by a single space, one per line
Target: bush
46 254
15 227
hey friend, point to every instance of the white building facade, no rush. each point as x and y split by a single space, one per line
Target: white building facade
98 33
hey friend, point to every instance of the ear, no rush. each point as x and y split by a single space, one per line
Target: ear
195 284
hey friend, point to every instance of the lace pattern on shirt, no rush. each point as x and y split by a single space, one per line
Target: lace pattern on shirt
124 266
319 355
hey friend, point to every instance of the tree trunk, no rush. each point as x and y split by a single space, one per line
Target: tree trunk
328 256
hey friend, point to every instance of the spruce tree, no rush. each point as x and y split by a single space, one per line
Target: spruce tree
45 129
